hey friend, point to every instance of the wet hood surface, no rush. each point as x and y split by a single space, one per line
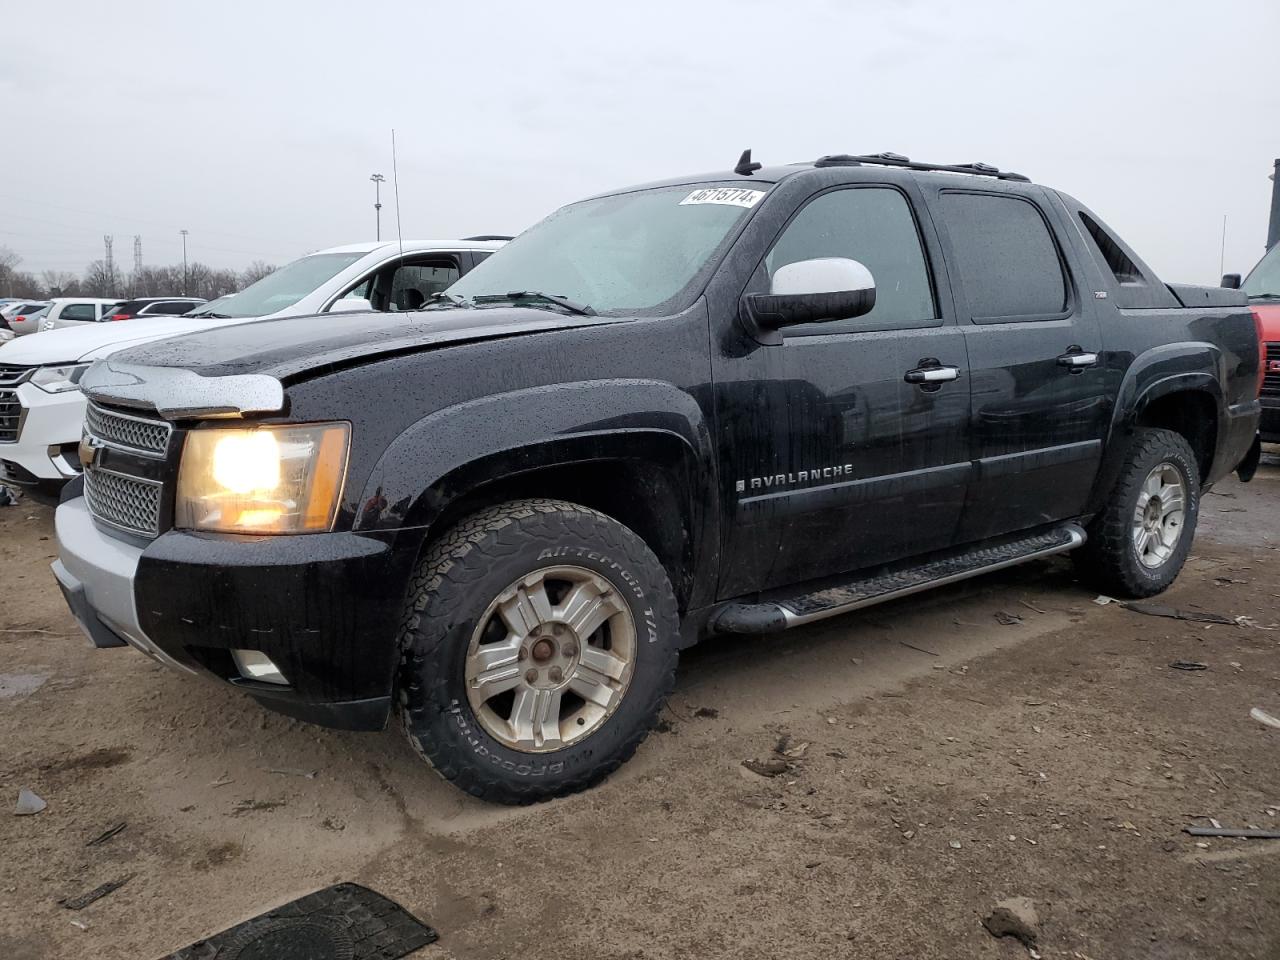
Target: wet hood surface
294 346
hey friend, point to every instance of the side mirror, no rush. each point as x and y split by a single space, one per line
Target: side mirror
1231 281
351 305
810 291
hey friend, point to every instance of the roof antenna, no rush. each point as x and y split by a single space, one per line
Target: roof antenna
395 176
745 167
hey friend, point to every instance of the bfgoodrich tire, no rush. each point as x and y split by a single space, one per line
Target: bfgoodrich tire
539 645
1140 540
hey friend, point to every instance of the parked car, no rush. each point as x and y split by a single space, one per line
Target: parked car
19 308
39 375
1262 286
733 403
153 306
23 323
74 312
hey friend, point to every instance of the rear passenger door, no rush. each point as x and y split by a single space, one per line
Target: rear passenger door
1040 408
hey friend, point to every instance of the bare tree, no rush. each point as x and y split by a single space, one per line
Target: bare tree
255 272
99 281
56 283
8 268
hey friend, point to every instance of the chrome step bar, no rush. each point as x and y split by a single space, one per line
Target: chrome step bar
782 613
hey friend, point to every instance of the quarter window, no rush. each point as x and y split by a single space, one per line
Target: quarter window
79 311
1006 259
874 226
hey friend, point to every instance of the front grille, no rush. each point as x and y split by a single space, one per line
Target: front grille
137 434
12 375
1271 381
10 416
125 502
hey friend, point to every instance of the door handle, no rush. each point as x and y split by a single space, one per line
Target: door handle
1078 360
926 375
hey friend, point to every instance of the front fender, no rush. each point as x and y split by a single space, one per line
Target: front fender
456 450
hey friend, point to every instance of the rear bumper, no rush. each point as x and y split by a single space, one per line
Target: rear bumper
324 608
48 432
1269 426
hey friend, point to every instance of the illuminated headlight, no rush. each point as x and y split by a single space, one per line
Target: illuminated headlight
59 379
270 479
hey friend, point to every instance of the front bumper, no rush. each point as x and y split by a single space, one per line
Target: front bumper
48 433
325 608
1269 427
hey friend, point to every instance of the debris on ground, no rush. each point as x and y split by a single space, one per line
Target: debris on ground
1252 833
106 835
1189 665
293 772
28 803
8 496
1102 600
912 646
708 713
97 893
1227 581
1031 606
249 806
1015 917
1007 619
1173 613
1263 717
772 767
20 684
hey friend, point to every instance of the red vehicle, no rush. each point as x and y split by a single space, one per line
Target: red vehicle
1263 287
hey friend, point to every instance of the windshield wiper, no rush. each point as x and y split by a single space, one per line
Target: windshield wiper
1264 296
581 309
450 299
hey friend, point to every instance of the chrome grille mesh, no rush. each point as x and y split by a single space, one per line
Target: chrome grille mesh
1271 381
136 433
10 416
125 502
12 375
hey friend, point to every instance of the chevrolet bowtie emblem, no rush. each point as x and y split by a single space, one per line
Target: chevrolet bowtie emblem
88 449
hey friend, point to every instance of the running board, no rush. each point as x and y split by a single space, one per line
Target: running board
784 612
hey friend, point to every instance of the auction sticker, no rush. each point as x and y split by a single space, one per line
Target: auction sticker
729 196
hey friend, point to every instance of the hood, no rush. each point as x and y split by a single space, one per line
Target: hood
97 340
289 347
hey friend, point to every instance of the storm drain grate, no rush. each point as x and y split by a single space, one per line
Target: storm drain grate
342 922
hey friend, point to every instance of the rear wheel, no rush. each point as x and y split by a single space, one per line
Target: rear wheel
540 642
1139 542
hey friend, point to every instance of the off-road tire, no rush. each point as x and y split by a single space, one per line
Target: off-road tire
454 582
1109 560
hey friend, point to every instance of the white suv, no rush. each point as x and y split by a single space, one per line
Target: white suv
74 311
42 409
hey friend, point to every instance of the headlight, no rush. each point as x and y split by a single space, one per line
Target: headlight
59 379
271 479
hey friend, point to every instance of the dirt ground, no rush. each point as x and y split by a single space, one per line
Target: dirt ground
942 760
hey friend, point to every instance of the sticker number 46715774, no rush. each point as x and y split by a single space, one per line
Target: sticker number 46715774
730 196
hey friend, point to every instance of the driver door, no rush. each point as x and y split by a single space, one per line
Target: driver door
831 460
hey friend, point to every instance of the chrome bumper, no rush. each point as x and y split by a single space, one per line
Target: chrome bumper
95 572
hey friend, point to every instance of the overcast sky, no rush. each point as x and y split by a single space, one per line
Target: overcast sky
255 126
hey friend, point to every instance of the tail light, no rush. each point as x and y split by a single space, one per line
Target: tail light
121 316
1262 350
19 319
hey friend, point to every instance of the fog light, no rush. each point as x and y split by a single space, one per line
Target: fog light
256 665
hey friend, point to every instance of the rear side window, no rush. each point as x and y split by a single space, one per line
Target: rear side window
78 311
171 307
875 226
1136 286
1005 257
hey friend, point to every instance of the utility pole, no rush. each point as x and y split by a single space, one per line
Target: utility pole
109 266
137 264
378 179
184 261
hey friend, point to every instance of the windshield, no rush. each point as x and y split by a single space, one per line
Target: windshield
1264 281
627 253
283 288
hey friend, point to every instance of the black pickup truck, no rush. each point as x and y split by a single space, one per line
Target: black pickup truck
730 403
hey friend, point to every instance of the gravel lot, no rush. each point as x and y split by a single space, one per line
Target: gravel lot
939 759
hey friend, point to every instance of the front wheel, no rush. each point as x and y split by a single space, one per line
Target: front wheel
1139 542
540 643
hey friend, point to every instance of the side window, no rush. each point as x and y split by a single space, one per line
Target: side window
413 283
1136 286
78 311
875 226
172 308
1006 260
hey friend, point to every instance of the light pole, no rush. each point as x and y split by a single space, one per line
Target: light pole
378 179
184 261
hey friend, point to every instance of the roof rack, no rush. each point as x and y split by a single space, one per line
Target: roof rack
898 160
